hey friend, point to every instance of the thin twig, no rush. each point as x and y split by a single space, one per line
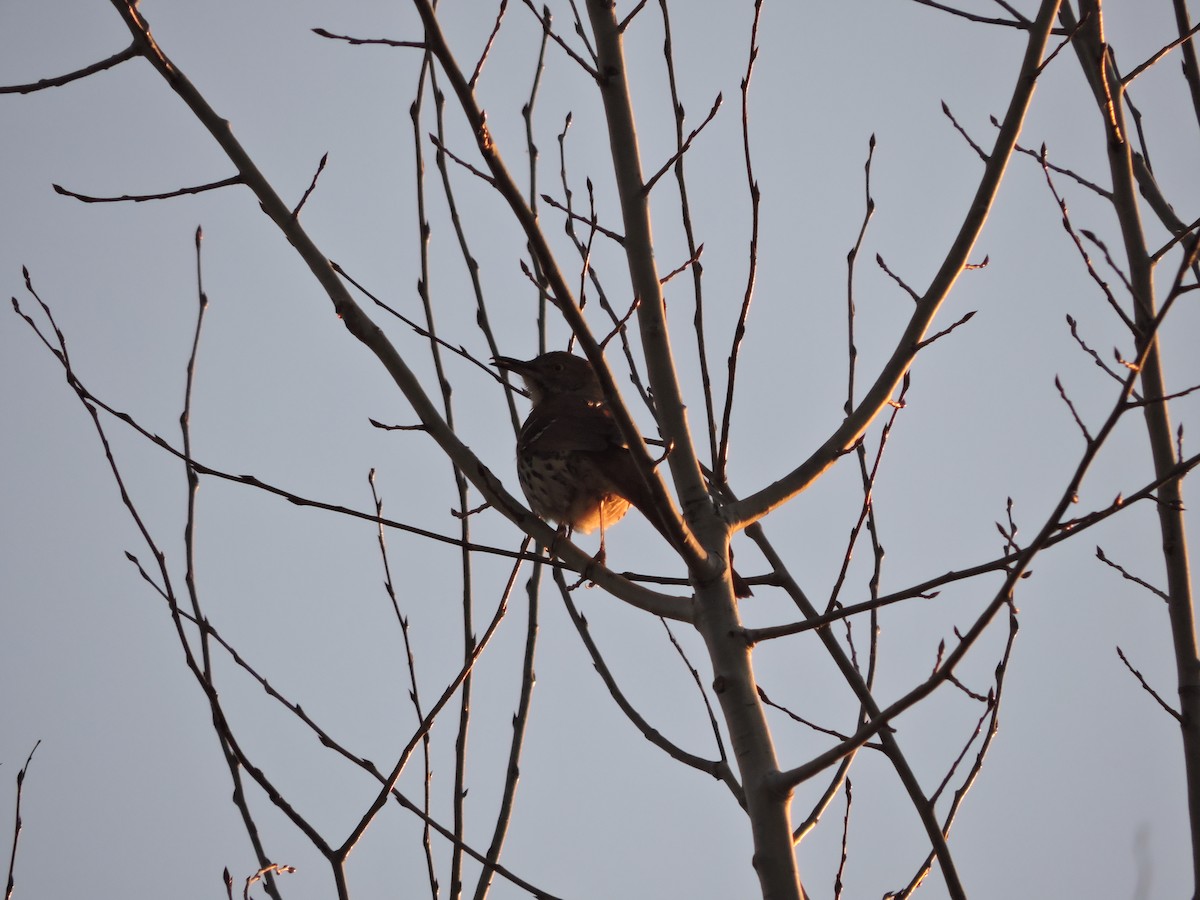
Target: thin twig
1149 690
1016 22
619 327
974 146
268 873
801 831
389 782
739 332
479 173
584 249
694 260
866 510
185 427
520 722
1138 70
459 789
17 824
582 32
808 723
678 154
879 261
712 716
921 345
142 198
386 42
1108 258
607 232
237 758
851 268
1158 592
545 19
841 869
992 713
1039 155
487 48
424 332
629 18
251 480
414 694
1068 35
1062 392
685 216
1074 326
312 186
1175 395
1184 233
58 81
1011 10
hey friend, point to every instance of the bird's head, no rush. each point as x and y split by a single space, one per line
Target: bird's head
554 374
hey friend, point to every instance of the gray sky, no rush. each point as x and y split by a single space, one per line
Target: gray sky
1082 793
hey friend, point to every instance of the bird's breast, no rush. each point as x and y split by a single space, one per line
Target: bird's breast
568 487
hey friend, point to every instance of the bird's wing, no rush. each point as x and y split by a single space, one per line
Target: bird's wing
587 426
568 423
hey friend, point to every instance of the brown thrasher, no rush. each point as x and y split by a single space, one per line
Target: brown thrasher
573 464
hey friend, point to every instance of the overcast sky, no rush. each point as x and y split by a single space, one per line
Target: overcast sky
128 794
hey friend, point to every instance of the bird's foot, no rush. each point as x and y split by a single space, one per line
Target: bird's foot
586 575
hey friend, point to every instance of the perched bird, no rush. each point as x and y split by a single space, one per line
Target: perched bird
572 461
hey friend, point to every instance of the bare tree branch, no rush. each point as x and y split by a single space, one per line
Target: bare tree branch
757 505
115 60
142 198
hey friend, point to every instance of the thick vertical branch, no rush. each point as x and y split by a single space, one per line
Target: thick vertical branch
694 499
767 806
1096 59
1191 66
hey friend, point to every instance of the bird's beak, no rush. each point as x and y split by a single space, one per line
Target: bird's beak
508 364
517 367
520 367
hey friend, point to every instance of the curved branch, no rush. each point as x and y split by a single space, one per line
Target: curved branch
359 324
1096 58
142 198
115 60
717 617
718 768
757 505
